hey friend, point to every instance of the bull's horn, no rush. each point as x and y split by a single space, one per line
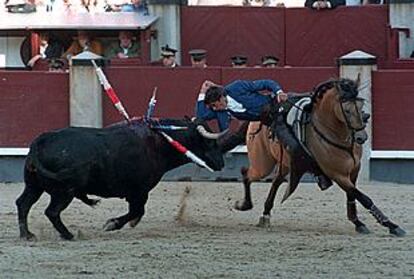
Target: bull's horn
210 135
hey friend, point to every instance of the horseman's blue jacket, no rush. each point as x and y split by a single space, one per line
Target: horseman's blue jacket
244 101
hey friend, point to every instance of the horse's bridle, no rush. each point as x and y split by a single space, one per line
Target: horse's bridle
348 149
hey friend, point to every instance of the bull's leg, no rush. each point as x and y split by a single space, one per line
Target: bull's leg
135 213
58 202
376 212
264 221
30 195
246 203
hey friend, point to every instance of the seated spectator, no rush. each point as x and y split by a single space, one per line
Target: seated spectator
20 6
126 47
168 56
198 58
49 48
139 6
56 65
239 61
81 43
324 4
269 61
372 2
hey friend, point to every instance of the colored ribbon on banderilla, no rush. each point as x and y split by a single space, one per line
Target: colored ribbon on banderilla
151 106
110 92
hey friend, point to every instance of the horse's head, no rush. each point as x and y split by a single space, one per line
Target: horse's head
346 105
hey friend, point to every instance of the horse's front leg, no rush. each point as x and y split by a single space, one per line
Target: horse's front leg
134 215
377 213
352 209
353 193
352 214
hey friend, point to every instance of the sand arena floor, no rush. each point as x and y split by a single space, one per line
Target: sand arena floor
310 236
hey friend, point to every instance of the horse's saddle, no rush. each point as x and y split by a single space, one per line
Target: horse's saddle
298 117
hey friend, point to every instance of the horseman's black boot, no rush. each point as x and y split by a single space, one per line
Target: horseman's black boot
300 161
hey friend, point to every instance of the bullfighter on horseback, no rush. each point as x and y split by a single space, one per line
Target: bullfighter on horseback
259 100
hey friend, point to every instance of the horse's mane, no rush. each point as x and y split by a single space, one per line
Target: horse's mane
346 88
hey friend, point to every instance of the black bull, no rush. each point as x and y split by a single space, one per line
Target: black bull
123 160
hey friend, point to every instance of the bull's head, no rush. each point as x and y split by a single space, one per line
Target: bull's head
200 140
207 147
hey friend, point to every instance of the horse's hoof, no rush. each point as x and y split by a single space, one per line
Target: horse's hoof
264 221
28 236
243 205
111 225
362 230
397 232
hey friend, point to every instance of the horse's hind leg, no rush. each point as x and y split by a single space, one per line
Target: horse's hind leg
58 202
264 221
246 203
30 195
376 212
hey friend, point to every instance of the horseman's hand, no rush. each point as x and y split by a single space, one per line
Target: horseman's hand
282 97
206 85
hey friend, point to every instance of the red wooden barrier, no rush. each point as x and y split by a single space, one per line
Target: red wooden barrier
177 90
393 114
31 103
291 79
319 38
298 36
228 31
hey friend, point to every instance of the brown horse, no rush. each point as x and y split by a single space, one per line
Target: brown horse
334 137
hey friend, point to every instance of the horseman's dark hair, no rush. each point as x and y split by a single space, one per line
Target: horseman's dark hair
347 88
214 94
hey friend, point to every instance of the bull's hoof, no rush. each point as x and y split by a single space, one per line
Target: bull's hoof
362 230
243 205
264 221
95 202
67 236
398 232
111 225
133 223
28 236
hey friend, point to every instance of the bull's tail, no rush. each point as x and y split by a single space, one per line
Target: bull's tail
33 164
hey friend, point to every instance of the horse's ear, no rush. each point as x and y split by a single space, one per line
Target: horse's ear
358 80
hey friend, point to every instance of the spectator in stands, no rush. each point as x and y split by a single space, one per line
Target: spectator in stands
126 47
49 48
20 6
269 61
412 54
239 61
198 58
139 6
168 56
82 43
324 4
370 2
